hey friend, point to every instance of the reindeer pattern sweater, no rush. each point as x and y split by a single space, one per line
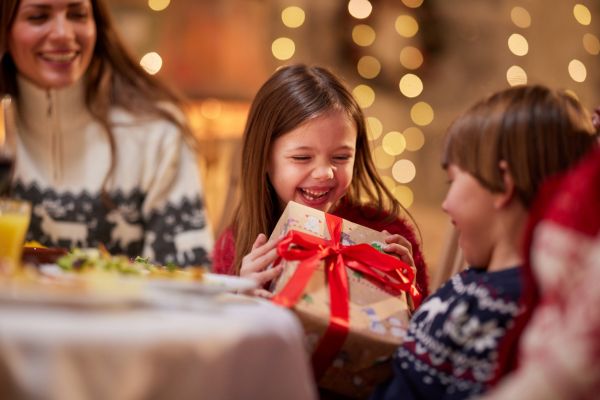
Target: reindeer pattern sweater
63 156
450 350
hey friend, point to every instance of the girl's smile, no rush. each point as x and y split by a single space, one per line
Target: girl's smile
313 164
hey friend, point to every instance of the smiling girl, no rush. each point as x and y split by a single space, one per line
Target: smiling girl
103 151
306 141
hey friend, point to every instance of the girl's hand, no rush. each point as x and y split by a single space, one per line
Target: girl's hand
254 264
400 248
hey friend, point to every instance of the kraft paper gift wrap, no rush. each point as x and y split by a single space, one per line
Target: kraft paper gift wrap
354 361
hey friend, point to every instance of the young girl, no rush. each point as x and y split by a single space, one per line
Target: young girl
306 141
497 154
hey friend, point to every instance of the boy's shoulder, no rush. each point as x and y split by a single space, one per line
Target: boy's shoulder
484 285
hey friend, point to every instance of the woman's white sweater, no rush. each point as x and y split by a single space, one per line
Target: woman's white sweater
63 156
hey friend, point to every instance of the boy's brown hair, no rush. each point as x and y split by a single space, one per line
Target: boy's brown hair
537 131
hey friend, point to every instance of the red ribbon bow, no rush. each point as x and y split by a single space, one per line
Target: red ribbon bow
389 272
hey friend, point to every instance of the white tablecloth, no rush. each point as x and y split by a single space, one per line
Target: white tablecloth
229 347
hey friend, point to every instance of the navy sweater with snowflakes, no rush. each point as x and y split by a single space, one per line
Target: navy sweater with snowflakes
450 348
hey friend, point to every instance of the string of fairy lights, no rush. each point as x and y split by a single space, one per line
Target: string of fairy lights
518 45
390 146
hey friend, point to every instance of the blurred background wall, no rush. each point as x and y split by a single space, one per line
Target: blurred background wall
413 65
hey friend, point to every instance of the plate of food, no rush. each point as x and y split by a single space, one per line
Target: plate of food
32 287
80 263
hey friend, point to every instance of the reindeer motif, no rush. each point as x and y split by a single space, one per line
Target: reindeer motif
429 310
186 242
124 233
74 232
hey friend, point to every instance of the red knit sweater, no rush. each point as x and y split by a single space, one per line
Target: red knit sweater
224 250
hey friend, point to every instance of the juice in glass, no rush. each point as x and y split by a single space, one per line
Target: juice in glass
14 220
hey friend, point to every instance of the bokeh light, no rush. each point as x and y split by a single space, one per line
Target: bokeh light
363 35
577 71
421 113
374 128
158 5
393 143
406 26
293 17
411 57
582 14
283 48
516 75
411 85
518 44
364 95
520 17
591 44
151 62
412 3
414 138
360 9
368 67
404 171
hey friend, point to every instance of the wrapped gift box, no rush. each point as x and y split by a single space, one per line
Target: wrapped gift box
377 315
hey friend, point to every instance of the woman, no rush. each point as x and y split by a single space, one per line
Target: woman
103 151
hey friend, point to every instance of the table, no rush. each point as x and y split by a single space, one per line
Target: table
223 347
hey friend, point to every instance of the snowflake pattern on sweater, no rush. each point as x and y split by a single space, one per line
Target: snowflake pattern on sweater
450 348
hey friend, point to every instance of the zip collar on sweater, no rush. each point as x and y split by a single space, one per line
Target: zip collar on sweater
50 116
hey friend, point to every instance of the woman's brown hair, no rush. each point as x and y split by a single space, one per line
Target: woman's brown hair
292 96
113 78
537 131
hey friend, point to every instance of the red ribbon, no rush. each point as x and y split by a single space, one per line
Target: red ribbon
389 272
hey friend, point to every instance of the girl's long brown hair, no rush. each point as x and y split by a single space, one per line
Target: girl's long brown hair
289 98
113 78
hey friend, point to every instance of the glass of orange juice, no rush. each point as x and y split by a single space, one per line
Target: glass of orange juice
14 221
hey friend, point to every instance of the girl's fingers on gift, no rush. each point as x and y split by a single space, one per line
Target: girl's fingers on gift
259 241
402 252
267 275
262 245
265 294
260 249
398 239
252 263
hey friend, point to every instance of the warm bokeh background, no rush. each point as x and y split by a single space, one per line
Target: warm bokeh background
413 65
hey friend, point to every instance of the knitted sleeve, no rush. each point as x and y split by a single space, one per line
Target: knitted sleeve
176 228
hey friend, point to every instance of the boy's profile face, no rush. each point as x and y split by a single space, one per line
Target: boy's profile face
471 209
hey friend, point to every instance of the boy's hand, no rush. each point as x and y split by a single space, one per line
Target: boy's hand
400 248
254 264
